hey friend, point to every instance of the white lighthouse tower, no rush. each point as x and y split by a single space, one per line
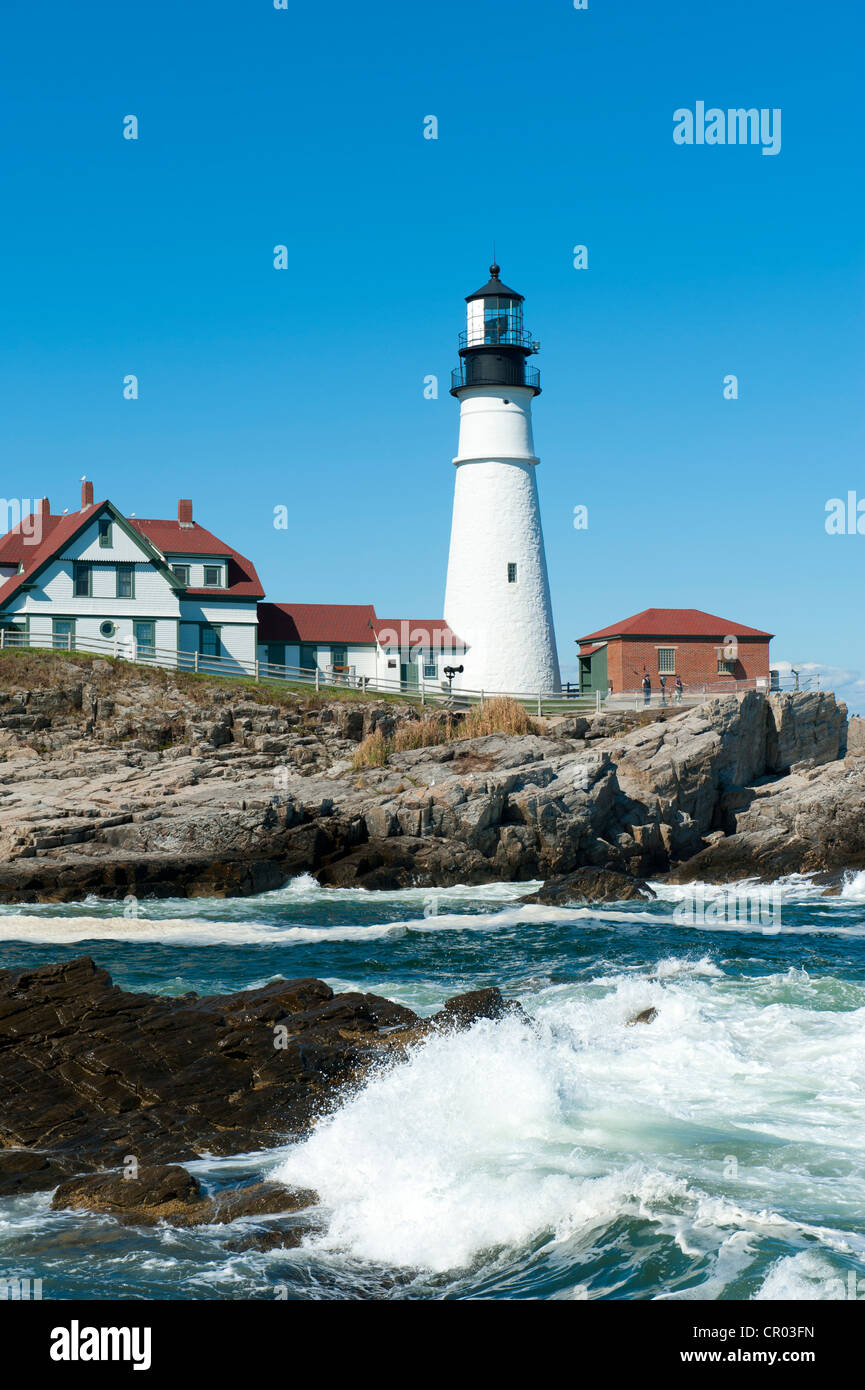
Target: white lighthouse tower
498 595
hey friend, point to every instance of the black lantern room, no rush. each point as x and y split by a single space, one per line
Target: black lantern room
494 346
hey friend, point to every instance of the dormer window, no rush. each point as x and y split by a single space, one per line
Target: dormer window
105 537
213 577
182 573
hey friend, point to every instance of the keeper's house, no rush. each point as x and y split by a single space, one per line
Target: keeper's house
95 574
700 648
173 593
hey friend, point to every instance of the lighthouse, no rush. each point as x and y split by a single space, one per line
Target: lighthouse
498 594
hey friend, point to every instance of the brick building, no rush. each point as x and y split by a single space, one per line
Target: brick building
699 647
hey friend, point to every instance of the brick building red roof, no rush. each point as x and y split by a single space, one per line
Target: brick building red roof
676 622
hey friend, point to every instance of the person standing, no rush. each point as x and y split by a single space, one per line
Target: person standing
662 681
678 690
647 688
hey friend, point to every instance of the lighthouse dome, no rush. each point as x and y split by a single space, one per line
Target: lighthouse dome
494 287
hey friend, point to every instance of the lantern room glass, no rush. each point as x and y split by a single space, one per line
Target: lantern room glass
503 320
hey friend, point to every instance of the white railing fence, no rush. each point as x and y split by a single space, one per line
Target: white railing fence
426 692
698 692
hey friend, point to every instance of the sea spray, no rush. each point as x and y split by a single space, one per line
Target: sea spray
698 1156
510 1135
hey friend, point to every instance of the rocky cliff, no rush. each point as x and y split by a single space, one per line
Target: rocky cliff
121 781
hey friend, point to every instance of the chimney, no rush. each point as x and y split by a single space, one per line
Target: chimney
86 495
184 511
44 507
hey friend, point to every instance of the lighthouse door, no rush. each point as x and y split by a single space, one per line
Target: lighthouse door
408 674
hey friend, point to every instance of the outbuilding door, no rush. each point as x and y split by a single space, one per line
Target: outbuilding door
408 674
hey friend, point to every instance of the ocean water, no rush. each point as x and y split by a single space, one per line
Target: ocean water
717 1153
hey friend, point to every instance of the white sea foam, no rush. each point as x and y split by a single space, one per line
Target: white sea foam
671 966
221 923
804 1277
510 1134
853 887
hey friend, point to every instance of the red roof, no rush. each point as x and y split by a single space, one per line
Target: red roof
316 622
590 651
168 536
349 623
173 539
416 632
14 547
676 622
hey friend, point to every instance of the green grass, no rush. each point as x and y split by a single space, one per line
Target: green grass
34 667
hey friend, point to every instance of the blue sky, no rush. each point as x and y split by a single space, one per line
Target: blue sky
260 388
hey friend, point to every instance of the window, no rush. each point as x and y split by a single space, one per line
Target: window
430 666
107 629
105 536
82 580
666 661
182 573
63 632
213 576
339 658
726 667
145 638
210 643
512 573
503 320
125 581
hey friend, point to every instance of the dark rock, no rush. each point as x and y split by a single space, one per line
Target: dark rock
261 1199
169 1193
22 1172
591 886
465 1009
163 1193
406 861
274 1238
95 1074
647 1016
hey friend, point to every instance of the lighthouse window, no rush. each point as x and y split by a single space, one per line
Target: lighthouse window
502 320
512 573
